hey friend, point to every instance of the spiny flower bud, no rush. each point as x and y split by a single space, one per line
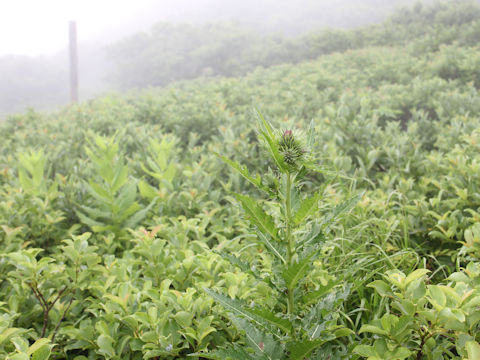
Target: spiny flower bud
291 149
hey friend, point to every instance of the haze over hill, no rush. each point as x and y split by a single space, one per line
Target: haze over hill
265 25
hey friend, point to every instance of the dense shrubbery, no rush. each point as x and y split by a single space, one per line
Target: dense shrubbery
121 236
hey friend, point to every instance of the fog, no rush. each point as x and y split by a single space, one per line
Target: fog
120 42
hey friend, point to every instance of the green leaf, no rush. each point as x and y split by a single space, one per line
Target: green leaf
417 274
37 345
473 350
259 317
134 220
262 344
267 315
437 297
7 334
146 190
270 245
236 353
183 318
307 207
372 329
105 344
266 132
299 350
243 170
365 350
42 353
294 273
315 295
381 287
257 216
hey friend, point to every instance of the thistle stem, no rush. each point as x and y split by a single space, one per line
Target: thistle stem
289 239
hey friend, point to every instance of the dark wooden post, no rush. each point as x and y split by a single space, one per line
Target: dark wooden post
73 62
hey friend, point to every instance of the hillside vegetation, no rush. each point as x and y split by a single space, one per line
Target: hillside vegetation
178 223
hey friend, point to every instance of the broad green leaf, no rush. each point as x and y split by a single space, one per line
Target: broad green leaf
37 345
7 334
417 274
99 193
365 350
437 297
381 287
473 350
146 190
105 343
42 353
372 329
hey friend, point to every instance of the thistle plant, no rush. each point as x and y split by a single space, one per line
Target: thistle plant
302 322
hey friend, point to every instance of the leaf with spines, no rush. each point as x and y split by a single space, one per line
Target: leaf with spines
307 207
264 345
272 246
234 353
315 295
268 135
299 350
243 170
294 273
257 216
260 317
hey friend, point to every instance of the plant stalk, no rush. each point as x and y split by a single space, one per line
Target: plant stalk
289 239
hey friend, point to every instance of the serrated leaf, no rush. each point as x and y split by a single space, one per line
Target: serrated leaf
315 295
279 322
257 216
235 353
238 308
294 273
307 207
267 134
271 246
243 170
262 344
299 351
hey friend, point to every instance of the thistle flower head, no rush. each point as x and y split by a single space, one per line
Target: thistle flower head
291 149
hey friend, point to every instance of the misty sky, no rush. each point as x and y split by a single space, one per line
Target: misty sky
34 27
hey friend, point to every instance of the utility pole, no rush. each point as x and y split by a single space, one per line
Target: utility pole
73 62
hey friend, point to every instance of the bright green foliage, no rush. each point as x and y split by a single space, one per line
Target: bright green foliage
160 165
425 321
114 208
361 242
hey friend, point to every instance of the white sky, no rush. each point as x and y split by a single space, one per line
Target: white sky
34 27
